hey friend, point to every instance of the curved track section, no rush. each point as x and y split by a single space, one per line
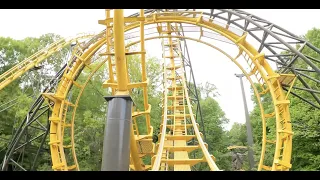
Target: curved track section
58 119
269 81
272 40
259 68
234 60
222 24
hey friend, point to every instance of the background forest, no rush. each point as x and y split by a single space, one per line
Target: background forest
15 101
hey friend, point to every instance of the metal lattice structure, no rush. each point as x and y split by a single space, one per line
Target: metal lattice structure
271 45
23 137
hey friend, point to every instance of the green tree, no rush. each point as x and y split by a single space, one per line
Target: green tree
16 98
214 121
305 118
238 135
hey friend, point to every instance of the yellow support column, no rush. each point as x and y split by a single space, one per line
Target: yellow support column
117 149
134 151
121 67
119 50
144 74
108 37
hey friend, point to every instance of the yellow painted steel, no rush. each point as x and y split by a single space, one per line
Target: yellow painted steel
256 92
85 84
59 110
144 74
22 67
176 139
267 77
109 46
234 60
119 51
269 80
122 75
177 128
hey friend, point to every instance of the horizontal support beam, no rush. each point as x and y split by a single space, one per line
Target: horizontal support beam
180 137
108 83
181 148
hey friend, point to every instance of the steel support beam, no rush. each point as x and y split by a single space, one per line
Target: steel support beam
248 125
116 143
197 96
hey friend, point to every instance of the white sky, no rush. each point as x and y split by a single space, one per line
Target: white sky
208 65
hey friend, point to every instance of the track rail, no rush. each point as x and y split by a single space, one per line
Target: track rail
32 61
177 103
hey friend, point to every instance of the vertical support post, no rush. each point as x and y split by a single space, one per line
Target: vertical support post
119 139
248 124
116 143
143 71
108 50
134 151
119 50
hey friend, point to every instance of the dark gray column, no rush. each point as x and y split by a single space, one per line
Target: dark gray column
248 124
116 144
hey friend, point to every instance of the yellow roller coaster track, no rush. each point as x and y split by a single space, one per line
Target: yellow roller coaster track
177 112
176 102
32 61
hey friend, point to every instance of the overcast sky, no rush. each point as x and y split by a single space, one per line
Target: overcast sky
208 65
